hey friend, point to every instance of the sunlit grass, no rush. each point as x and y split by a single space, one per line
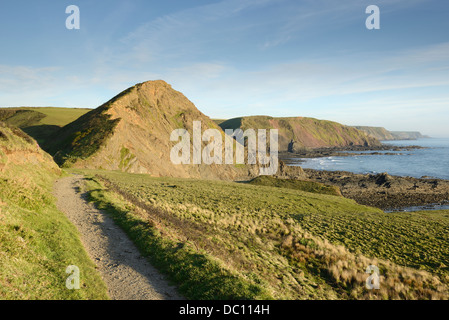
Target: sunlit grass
37 242
291 243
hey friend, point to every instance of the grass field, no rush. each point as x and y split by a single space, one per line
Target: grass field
40 122
271 242
58 116
37 116
307 186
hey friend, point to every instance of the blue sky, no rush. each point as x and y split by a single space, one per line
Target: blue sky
237 57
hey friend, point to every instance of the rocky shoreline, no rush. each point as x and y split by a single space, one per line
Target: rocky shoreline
292 157
384 191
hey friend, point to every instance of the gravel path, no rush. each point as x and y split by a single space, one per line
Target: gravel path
126 273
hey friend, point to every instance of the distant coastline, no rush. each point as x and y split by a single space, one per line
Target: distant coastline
382 134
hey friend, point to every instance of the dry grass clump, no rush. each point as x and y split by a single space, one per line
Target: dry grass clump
348 271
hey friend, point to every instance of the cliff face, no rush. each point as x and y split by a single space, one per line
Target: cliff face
131 132
299 132
407 135
379 133
383 134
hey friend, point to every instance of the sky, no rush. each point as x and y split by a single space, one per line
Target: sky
232 58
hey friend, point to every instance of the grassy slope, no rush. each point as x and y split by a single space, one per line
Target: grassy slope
40 122
20 118
407 135
280 241
37 242
48 115
218 121
414 239
82 137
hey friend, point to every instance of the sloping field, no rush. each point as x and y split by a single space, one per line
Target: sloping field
220 239
40 122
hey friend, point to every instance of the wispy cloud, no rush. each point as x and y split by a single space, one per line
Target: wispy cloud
189 34
16 79
234 57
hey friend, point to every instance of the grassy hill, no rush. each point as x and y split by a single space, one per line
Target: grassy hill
299 132
379 133
37 242
40 122
131 132
227 240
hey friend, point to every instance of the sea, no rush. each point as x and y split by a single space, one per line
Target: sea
431 162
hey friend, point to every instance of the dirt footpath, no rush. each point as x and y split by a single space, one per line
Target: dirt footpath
127 274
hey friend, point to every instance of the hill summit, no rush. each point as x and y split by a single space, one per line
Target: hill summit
131 133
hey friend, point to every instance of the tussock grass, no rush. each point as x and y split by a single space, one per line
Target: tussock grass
282 240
